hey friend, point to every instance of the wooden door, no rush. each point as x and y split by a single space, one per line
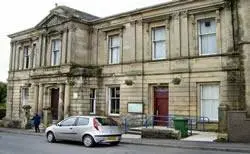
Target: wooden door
54 103
161 106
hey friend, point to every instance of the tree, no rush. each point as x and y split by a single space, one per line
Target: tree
3 92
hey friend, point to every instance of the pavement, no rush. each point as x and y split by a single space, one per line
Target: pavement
188 143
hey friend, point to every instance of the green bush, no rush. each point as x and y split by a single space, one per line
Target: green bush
2 113
2 105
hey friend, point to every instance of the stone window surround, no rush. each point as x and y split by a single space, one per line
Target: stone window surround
209 15
198 93
22 93
93 99
151 26
108 99
108 34
51 39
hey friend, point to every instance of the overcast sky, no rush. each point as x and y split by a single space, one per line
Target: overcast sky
17 15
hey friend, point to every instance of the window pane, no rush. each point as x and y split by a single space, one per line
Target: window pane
210 101
210 109
56 45
115 41
107 121
115 100
207 26
208 44
112 91
159 33
68 122
117 106
159 50
117 92
83 121
115 55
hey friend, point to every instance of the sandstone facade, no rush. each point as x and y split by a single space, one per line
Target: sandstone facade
84 61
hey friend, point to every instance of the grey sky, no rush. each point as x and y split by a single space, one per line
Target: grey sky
17 15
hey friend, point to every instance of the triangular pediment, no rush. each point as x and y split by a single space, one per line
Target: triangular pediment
51 20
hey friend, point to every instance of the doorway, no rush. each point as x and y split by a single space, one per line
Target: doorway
54 103
161 106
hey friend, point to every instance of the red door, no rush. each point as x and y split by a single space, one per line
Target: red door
161 106
54 103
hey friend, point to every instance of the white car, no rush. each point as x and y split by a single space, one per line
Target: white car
87 129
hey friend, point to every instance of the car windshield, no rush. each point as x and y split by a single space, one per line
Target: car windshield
106 121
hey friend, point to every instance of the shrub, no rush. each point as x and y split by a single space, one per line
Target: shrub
2 113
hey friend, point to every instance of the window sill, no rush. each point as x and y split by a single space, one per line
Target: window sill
114 115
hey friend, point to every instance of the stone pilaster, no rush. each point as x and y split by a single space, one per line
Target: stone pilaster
64 46
61 102
40 98
184 34
21 58
11 56
69 41
67 100
223 109
36 89
218 31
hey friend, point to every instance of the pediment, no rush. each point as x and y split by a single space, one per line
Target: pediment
51 20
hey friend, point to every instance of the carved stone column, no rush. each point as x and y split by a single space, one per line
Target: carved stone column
35 106
61 102
67 100
11 56
21 59
68 52
40 99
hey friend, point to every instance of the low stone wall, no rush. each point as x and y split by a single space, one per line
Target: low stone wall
238 126
162 133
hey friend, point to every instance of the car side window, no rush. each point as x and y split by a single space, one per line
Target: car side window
68 122
82 121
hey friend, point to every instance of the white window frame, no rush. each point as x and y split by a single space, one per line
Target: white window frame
155 41
110 98
202 100
26 57
93 100
111 49
24 96
206 34
56 52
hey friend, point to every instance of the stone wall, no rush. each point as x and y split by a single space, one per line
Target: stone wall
238 126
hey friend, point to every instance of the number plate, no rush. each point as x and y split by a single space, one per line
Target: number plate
111 138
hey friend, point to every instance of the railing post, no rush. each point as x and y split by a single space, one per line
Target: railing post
146 121
125 125
153 120
191 127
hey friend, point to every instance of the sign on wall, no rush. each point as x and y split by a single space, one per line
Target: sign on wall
135 107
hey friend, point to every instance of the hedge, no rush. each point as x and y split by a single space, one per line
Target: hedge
2 113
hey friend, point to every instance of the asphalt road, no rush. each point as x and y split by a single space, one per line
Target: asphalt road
28 144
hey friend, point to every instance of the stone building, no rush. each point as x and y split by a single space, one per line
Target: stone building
183 57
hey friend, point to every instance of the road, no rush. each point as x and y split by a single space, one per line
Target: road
28 144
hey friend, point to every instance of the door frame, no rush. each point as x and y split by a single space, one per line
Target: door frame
50 97
151 96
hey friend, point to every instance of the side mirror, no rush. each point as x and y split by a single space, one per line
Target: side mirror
59 125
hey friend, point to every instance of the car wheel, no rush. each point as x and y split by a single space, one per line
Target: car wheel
51 137
88 141
115 143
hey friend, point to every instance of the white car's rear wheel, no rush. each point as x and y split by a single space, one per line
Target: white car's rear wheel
88 141
51 137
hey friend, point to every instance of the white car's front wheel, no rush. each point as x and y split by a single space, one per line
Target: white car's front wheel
51 137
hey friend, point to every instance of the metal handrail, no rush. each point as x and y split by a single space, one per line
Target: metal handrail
150 120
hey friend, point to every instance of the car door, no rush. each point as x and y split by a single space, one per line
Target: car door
82 125
64 129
